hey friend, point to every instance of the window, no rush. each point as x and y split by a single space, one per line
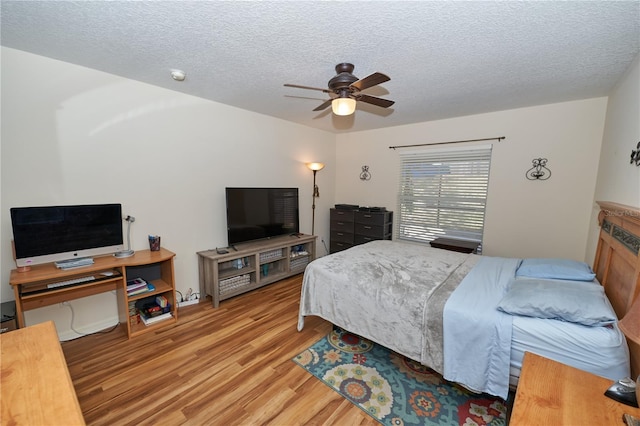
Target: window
443 194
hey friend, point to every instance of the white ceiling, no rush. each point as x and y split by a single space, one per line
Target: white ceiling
445 58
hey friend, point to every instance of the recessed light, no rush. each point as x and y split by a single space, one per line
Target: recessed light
178 75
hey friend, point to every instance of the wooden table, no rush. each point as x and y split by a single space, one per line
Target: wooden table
551 393
36 385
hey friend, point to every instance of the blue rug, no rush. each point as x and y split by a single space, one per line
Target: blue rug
394 389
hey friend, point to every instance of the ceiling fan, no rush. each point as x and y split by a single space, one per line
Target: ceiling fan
344 90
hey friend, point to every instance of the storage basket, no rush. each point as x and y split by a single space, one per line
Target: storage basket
270 255
299 262
230 284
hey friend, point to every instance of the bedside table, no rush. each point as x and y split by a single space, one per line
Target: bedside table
450 244
551 393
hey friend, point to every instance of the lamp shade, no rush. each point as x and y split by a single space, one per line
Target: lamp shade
315 166
630 324
343 106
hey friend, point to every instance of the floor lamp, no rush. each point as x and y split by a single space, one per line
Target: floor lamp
314 167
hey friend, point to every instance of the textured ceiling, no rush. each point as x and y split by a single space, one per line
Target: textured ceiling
445 58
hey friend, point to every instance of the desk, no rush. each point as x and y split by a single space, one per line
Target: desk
36 385
31 288
551 393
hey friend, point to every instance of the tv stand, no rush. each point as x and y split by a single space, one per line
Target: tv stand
253 265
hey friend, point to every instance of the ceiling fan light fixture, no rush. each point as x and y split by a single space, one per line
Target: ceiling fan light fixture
344 91
343 106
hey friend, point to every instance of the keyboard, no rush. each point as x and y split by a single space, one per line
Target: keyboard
74 263
72 282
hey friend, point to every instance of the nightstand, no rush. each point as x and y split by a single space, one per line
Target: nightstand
451 244
551 393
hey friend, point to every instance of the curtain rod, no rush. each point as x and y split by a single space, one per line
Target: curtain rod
499 138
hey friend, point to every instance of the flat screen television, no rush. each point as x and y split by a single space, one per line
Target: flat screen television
58 233
258 213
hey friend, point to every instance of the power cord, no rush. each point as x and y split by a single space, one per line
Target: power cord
189 296
81 334
325 246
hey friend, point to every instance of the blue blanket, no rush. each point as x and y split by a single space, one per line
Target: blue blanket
477 337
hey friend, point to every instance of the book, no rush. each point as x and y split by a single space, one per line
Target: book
162 301
153 311
136 282
136 286
145 289
152 320
138 290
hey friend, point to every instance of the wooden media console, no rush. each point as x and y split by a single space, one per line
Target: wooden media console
253 265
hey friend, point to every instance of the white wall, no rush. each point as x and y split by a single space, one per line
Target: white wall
618 180
74 135
524 218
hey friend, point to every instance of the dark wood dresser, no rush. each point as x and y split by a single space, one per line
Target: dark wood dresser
353 227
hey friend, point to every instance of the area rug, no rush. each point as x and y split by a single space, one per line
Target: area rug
393 389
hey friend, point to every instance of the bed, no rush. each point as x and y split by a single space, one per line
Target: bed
450 311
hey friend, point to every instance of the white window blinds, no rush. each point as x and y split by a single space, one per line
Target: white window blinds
443 194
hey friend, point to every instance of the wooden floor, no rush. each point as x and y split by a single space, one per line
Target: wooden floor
226 366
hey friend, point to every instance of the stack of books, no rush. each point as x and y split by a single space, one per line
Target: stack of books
152 310
138 286
134 318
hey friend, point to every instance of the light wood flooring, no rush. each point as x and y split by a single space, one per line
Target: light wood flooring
226 366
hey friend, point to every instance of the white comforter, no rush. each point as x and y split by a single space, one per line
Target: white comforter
397 295
389 292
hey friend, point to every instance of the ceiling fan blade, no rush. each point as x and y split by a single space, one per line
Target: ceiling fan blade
307 87
384 103
324 105
370 81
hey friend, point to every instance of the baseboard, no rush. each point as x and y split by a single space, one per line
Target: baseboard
95 327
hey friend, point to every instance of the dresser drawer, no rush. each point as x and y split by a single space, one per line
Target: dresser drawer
342 237
341 215
341 226
338 246
361 239
371 218
369 230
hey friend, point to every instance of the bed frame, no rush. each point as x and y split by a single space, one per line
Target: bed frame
617 262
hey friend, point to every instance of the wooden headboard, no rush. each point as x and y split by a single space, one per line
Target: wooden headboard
617 262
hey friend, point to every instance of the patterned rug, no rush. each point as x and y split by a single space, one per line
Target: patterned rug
393 389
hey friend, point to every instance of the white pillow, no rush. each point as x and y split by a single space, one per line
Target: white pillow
560 269
578 302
